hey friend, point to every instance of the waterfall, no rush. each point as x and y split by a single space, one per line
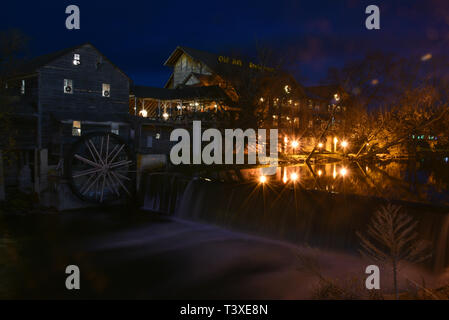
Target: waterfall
163 192
317 218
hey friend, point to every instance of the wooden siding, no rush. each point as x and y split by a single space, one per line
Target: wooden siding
186 65
87 87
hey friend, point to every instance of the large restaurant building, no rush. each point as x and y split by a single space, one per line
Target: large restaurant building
209 86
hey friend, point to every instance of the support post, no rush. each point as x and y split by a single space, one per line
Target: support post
2 179
43 168
36 172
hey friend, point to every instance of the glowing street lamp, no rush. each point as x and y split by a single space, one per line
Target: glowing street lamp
320 145
337 97
295 144
263 179
344 144
165 115
343 172
294 176
320 173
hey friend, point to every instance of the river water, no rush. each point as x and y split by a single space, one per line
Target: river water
321 205
226 235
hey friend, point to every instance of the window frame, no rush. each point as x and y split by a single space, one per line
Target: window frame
76 128
106 87
68 83
23 87
76 59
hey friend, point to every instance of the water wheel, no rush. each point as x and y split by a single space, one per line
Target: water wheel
100 168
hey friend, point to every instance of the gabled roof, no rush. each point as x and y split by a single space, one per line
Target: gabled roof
227 71
207 58
33 65
204 79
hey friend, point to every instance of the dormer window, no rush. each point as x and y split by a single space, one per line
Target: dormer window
76 59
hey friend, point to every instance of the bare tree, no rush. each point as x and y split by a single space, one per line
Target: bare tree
13 45
394 98
391 238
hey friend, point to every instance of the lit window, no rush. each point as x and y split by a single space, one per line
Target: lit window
22 87
68 86
115 128
76 59
76 129
106 92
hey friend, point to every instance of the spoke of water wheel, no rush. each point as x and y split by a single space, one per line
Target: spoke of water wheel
101 147
111 183
107 150
108 185
90 151
113 150
102 188
86 172
117 153
120 164
93 164
119 181
86 183
122 176
96 152
92 184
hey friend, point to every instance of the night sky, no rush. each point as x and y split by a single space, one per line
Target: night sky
311 36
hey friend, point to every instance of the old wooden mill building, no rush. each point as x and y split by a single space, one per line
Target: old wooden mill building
77 119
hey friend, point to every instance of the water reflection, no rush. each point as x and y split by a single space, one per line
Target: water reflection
416 181
321 205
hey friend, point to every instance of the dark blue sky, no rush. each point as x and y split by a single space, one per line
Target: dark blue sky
311 35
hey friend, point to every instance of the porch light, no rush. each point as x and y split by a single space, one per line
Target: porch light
143 113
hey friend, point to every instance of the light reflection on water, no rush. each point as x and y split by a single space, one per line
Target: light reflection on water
415 181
